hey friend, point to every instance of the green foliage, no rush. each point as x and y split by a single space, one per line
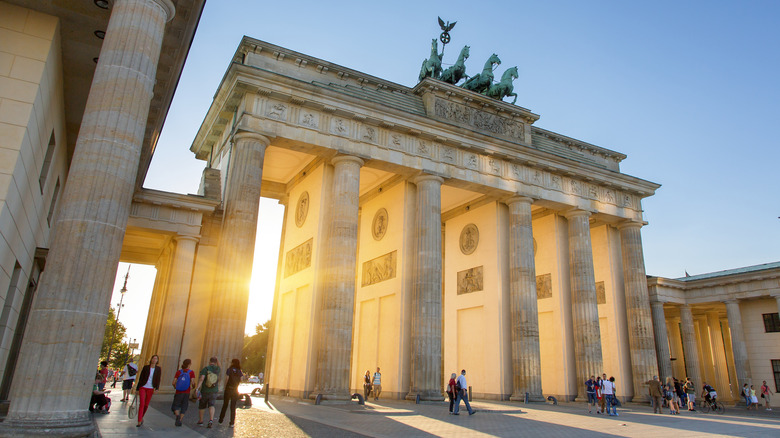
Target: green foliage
114 340
255 349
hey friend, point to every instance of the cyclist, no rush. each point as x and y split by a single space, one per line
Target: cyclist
709 393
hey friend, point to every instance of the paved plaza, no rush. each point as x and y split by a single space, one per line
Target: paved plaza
289 417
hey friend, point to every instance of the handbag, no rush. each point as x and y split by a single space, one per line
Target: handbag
132 411
614 401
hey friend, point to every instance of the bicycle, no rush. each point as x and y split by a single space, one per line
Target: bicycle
713 405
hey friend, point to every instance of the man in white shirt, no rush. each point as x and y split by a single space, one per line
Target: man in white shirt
128 378
609 393
461 389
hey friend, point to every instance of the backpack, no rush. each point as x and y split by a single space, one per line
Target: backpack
211 379
131 371
183 382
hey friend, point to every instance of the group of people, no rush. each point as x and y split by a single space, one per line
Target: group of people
677 394
183 383
601 391
457 390
749 394
372 385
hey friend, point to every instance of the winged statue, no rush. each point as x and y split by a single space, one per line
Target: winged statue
446 27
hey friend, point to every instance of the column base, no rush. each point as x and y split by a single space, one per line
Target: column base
335 396
533 398
76 427
425 396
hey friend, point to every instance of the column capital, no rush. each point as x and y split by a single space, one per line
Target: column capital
242 135
346 158
568 214
427 177
629 224
518 198
731 301
190 237
167 6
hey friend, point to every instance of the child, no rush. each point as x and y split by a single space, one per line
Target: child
99 402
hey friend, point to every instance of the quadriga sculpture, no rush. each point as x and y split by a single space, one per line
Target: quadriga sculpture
481 82
457 72
431 67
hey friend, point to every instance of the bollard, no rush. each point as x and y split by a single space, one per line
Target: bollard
318 400
417 400
469 393
553 399
359 397
526 398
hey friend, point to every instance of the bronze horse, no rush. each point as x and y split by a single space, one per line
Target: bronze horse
431 67
481 82
458 71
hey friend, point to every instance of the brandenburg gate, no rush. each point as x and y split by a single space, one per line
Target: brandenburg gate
426 230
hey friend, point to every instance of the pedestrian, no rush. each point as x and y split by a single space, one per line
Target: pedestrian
208 382
746 395
148 381
112 374
680 394
766 394
451 390
234 375
603 401
183 382
103 375
671 396
366 384
599 395
609 392
690 392
377 384
462 394
654 386
590 390
99 402
753 398
128 378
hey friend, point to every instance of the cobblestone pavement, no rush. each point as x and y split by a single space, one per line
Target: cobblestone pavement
287 417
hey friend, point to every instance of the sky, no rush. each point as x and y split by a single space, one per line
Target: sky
688 90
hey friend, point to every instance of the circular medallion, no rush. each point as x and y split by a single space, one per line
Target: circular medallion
379 226
302 209
469 239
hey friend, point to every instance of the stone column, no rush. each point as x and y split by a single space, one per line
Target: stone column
526 358
227 318
776 296
175 312
644 362
71 305
426 330
661 339
338 282
719 356
584 309
690 349
741 362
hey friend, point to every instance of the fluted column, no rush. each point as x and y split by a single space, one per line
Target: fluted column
644 362
584 309
338 277
719 355
690 349
175 312
661 339
741 362
71 305
426 330
524 317
227 316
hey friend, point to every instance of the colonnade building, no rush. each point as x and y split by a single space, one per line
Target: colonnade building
426 230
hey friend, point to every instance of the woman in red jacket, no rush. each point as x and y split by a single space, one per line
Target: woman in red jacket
148 381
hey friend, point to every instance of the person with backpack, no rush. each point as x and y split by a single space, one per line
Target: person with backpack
234 375
128 378
183 381
208 382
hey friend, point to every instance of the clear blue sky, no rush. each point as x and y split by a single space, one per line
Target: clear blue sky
689 90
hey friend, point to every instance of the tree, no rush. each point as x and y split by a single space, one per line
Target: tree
254 349
113 339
